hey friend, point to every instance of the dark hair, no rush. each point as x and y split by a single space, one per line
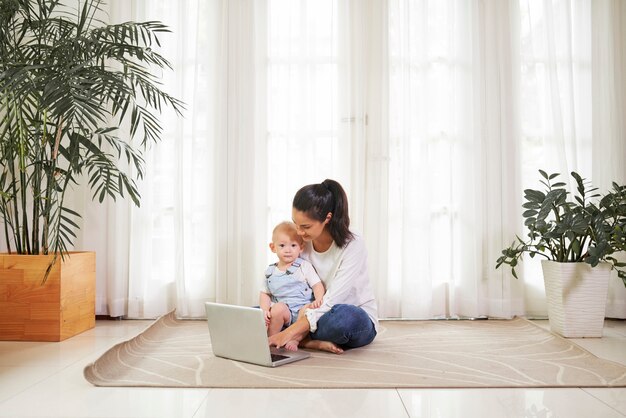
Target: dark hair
316 200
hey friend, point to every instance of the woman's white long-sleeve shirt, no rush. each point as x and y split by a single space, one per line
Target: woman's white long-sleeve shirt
344 274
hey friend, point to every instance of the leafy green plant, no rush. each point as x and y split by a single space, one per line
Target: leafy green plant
68 81
590 229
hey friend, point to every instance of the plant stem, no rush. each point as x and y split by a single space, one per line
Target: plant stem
37 175
50 185
23 183
11 165
5 208
538 253
557 217
583 243
6 232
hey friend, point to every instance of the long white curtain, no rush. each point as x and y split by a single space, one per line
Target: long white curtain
195 237
434 115
452 177
609 113
555 110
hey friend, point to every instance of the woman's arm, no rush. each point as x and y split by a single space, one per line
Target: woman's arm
345 282
296 331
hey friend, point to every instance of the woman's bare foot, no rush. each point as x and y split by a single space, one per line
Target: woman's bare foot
321 346
292 345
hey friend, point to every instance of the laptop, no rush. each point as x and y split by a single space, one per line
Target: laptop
239 333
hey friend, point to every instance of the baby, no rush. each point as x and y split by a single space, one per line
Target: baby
290 284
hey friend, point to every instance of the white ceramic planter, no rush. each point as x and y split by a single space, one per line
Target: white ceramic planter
576 295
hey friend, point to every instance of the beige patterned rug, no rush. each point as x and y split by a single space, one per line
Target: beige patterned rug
405 354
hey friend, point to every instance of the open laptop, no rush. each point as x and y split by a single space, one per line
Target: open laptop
239 333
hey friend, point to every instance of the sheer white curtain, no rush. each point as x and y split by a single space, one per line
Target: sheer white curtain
555 51
453 158
195 236
434 115
609 113
572 106
206 195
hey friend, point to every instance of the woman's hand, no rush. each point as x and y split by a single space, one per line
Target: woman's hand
296 332
279 340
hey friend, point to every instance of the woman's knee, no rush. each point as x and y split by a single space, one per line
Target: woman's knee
346 325
350 316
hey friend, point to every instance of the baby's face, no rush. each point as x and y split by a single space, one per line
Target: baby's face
286 248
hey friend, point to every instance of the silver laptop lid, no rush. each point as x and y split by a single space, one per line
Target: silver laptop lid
239 333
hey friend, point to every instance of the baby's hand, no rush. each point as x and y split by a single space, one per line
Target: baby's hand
315 304
267 316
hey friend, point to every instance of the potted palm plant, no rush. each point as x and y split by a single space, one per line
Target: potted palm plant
68 81
578 240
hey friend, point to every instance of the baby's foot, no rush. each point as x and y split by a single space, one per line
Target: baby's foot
324 346
292 345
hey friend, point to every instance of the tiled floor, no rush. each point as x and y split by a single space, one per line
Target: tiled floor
45 380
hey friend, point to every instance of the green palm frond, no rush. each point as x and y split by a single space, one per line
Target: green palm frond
67 83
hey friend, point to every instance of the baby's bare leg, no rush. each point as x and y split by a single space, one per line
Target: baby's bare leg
292 345
281 316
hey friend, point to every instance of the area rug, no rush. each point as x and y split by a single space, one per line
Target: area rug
405 354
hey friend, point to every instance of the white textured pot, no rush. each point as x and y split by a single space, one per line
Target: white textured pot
576 295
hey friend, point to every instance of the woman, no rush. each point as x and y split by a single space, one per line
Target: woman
347 317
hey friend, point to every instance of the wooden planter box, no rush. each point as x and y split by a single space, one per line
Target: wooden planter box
58 309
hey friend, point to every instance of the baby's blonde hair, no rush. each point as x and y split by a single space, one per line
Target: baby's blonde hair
288 228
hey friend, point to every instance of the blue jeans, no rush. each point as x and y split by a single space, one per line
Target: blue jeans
348 326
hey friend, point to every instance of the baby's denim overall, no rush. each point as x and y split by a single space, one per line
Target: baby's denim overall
285 287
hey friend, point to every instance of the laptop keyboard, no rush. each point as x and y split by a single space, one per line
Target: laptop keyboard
276 357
